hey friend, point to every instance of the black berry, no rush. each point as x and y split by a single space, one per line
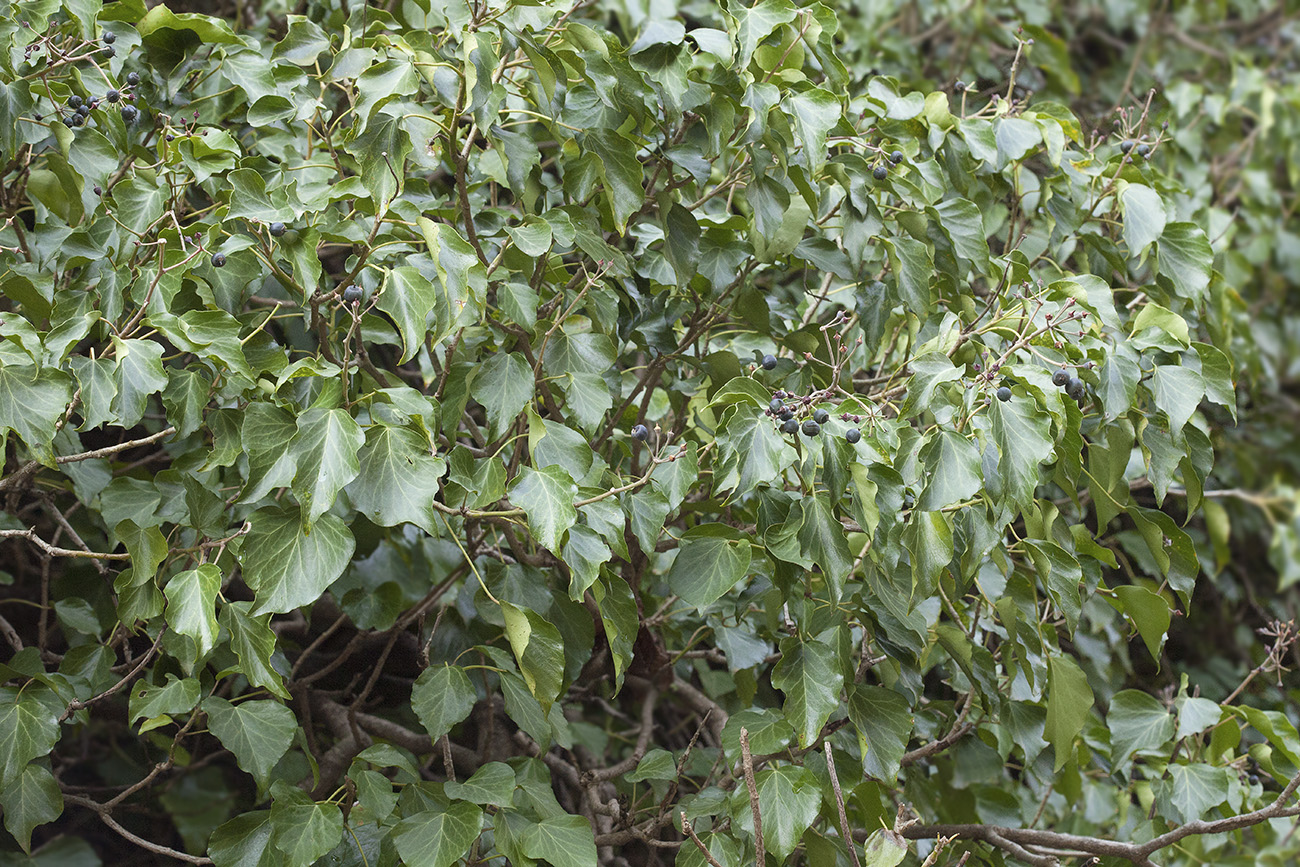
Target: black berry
640 432
112 96
769 362
1061 377
790 426
811 428
787 415
1075 388
853 435
896 157
776 405
130 113
98 190
218 260
83 110
109 51
278 229
1143 149
74 101
352 294
880 173
1126 145
78 120
821 416
1004 394
133 78
110 37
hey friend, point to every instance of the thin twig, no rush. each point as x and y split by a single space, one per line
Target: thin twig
839 802
747 765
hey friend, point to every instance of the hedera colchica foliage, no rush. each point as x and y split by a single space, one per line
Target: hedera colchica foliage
325 333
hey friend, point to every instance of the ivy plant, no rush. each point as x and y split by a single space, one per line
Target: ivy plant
529 433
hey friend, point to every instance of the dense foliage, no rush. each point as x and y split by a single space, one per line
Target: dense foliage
628 434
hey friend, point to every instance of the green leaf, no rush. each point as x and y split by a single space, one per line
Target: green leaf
244 841
1178 392
1216 374
439 837
254 643
884 848
301 828
622 171
955 469
29 728
191 605
398 478
815 111
928 538
753 453
1149 613
756 23
31 404
285 565
33 799
493 784
1144 216
789 800
1068 701
257 732
325 453
822 538
139 375
539 649
1198 787
1138 723
883 721
710 560
563 841
504 386
1185 257
809 675
408 297
442 697
1023 436
546 496
206 28
155 702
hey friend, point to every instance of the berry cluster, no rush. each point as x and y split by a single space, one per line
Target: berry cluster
784 413
1074 387
76 111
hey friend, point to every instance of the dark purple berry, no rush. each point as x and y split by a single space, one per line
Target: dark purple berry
821 416
880 173
640 432
769 362
110 37
130 114
109 51
352 294
790 426
811 428
278 229
1004 394
113 96
133 78
776 406
1126 145
853 435
896 157
1075 388
218 260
